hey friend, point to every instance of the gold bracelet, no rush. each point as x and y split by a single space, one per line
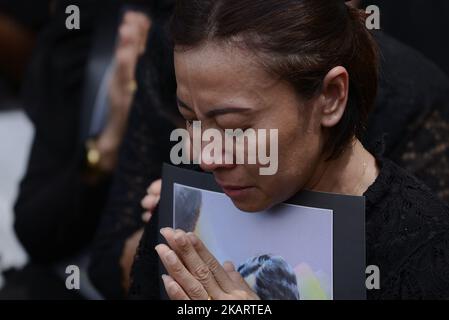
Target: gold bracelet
93 155
132 86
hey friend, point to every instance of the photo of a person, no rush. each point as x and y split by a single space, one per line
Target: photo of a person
187 208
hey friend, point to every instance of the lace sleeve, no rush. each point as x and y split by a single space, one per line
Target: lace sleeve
422 275
407 234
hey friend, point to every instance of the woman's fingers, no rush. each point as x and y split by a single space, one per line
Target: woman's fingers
197 272
191 286
239 282
155 188
228 266
150 202
236 277
146 216
173 289
220 275
181 244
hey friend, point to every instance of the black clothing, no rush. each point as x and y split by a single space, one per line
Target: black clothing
36 282
57 211
407 237
31 14
412 114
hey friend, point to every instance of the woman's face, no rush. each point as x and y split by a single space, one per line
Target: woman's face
224 88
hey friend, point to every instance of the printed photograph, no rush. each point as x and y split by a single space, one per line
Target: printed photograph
284 253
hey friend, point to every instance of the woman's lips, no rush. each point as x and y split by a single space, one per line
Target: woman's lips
235 191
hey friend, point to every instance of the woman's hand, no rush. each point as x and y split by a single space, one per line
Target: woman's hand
195 274
151 200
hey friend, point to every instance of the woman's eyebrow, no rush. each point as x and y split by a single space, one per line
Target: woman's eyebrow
215 112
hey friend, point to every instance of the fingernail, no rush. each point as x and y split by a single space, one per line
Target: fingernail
157 248
164 231
228 266
171 258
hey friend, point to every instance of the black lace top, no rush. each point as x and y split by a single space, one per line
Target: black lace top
407 237
412 114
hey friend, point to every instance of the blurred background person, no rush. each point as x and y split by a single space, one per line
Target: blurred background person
18 27
78 131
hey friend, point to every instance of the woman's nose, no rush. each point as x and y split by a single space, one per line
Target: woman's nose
211 162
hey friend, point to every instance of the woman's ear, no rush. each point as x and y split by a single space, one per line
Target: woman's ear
334 96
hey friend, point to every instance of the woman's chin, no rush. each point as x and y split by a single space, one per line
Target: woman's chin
251 204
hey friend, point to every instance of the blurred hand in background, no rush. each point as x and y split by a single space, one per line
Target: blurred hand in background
132 38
